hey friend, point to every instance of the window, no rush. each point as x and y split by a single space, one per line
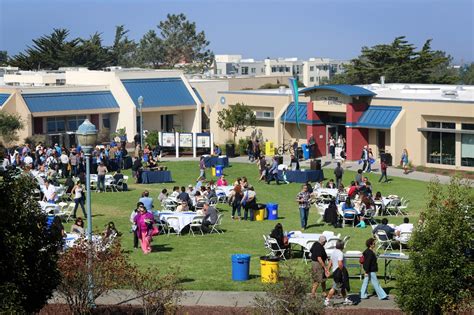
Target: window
106 121
311 68
55 124
467 146
73 122
441 148
311 79
443 125
274 69
253 70
245 70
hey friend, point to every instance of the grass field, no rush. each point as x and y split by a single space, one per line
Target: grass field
205 261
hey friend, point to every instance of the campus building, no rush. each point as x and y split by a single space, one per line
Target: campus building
435 123
56 103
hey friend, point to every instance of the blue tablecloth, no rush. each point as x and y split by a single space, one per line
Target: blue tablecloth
211 161
150 177
302 176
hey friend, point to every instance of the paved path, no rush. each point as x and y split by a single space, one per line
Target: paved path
222 298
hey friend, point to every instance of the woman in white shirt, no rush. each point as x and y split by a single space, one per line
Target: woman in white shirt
77 190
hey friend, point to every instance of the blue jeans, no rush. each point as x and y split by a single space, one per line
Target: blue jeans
304 217
101 182
375 283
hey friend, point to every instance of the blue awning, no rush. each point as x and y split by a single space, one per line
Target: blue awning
289 115
380 117
345 89
159 92
3 98
48 102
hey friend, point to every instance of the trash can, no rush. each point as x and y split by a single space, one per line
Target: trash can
269 148
213 171
230 150
240 267
219 170
305 151
272 211
259 214
269 269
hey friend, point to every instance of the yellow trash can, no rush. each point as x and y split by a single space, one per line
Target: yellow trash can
259 214
269 148
269 269
213 170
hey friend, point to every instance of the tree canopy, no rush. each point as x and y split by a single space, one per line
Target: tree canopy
399 62
10 124
177 43
236 118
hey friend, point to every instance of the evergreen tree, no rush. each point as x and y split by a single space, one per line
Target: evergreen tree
123 50
151 52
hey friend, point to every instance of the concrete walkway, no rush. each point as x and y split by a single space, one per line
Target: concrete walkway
224 298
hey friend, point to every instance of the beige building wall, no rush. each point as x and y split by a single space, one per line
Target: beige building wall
254 83
15 105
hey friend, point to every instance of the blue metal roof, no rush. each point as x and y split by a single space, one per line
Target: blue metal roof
159 92
380 117
3 98
346 89
198 95
48 102
289 115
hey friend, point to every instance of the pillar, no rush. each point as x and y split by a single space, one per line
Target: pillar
317 128
356 138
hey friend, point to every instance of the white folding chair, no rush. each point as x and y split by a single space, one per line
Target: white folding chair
403 239
276 250
216 226
196 223
392 207
349 217
307 251
383 240
379 207
173 224
169 204
369 216
213 201
345 240
110 184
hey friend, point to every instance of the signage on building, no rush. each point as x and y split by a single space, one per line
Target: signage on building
168 139
186 140
203 141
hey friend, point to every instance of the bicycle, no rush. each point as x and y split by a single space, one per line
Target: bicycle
285 147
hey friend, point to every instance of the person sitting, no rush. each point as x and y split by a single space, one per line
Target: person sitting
146 200
190 190
49 192
211 184
238 181
331 214
279 236
294 163
384 227
210 193
163 195
182 207
119 176
352 190
405 227
110 231
184 196
222 181
330 184
217 150
358 177
78 227
175 192
210 217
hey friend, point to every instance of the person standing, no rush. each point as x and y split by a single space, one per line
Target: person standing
144 223
202 168
64 164
340 275
101 172
303 204
146 200
332 147
404 161
73 160
236 202
134 225
365 158
338 173
383 168
77 190
312 147
262 168
371 267
273 172
295 149
319 270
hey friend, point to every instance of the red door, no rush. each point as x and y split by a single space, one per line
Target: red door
38 125
95 120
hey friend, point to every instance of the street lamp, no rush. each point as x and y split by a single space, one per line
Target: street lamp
140 108
87 138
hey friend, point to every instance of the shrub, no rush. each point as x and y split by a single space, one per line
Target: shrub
35 139
28 262
289 296
109 270
152 138
438 277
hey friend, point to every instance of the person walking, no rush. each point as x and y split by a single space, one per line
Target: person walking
134 225
404 161
202 168
77 190
364 157
340 275
303 204
338 173
370 160
144 223
332 147
101 172
273 172
371 267
383 168
319 270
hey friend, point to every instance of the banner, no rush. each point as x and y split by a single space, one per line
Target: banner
294 90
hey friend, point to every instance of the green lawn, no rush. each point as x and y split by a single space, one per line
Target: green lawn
205 261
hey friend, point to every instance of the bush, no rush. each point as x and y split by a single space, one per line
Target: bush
110 269
35 139
241 147
438 277
152 138
28 263
104 135
289 296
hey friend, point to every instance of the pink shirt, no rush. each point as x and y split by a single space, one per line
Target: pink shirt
221 182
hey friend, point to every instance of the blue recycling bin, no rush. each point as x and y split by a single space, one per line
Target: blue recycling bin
240 267
272 211
219 170
305 151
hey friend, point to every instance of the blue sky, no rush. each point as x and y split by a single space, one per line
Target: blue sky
256 29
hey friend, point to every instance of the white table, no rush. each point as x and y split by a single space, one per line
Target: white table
46 206
226 189
327 191
303 239
184 218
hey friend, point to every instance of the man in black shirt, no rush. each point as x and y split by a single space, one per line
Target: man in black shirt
319 270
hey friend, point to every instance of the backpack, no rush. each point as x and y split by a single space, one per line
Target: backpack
361 260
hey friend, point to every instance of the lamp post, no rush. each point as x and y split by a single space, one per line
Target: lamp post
87 138
140 108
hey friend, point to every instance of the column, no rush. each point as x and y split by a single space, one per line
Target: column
356 138
317 128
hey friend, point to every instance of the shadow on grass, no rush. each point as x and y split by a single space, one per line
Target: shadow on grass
186 280
161 248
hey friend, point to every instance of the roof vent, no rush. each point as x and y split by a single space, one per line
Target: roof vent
450 93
